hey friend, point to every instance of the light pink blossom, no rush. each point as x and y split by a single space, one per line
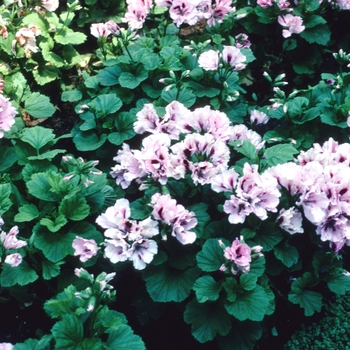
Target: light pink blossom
13 259
50 5
6 346
290 220
239 253
257 117
99 30
265 3
183 11
7 115
84 248
234 57
209 60
294 25
142 252
10 240
113 27
219 11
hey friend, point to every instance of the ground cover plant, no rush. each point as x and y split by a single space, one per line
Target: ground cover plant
198 149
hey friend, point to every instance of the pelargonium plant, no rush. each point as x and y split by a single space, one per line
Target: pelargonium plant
207 159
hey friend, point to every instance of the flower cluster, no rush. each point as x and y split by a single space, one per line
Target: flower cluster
9 241
127 239
239 256
181 142
252 193
320 180
84 248
7 115
166 210
231 57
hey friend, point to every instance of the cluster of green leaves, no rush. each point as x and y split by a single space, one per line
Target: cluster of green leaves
331 332
84 320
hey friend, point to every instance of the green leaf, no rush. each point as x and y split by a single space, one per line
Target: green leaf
203 218
7 157
123 338
211 257
40 186
91 344
109 76
74 208
27 212
37 136
243 335
207 320
68 36
206 288
339 282
88 140
56 225
287 254
296 106
71 96
124 125
45 74
21 274
53 245
39 106
314 20
201 91
268 236
165 284
249 305
246 148
309 300
139 211
319 34
50 269
47 155
105 104
248 281
279 154
131 81
68 332
5 202
35 19
185 96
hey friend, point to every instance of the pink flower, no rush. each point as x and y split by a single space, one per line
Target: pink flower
25 37
183 11
86 248
142 253
219 11
239 253
224 182
113 27
257 117
293 23
10 240
6 346
265 3
129 167
147 120
242 41
343 4
175 215
99 30
50 5
116 215
233 56
13 259
209 60
137 13
290 220
116 250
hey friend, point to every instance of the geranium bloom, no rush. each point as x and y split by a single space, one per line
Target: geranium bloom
142 253
240 254
257 117
25 37
226 181
13 259
343 4
113 27
175 215
85 248
99 30
293 23
209 60
7 114
6 346
10 240
50 5
290 220
233 56
147 120
219 11
183 11
265 3
116 250
242 41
